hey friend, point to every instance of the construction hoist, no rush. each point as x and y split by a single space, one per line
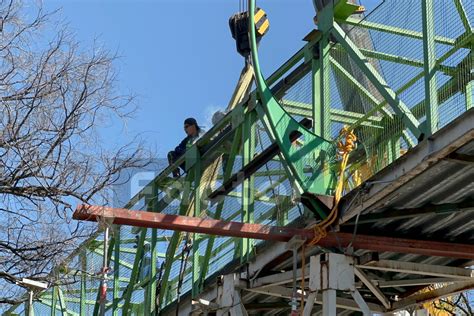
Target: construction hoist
239 27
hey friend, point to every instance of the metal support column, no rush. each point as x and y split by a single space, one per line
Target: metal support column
30 308
330 272
321 98
393 149
329 302
248 185
229 299
116 285
468 93
321 70
54 300
196 237
429 57
151 287
62 302
83 259
105 263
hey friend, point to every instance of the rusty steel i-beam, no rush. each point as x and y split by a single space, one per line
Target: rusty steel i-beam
264 232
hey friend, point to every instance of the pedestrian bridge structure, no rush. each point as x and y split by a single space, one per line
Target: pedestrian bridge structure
401 79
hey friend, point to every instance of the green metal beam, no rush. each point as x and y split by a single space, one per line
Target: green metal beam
272 186
444 92
337 115
46 299
197 238
113 258
133 240
62 302
394 30
468 93
175 239
54 299
283 69
248 185
236 143
349 78
396 104
238 195
116 284
321 69
127 294
83 260
48 302
429 58
400 60
94 289
463 41
463 15
151 288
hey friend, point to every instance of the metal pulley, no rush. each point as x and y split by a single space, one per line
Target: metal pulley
239 27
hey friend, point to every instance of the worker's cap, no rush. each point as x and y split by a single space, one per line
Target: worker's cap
191 121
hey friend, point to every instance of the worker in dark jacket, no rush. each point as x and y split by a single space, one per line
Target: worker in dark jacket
192 130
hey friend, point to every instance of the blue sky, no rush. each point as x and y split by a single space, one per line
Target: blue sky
178 56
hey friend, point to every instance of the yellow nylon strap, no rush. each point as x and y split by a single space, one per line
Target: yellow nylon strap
343 150
210 172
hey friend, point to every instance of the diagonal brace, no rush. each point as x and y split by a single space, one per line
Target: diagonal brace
381 85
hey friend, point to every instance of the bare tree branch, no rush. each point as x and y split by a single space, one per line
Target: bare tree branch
54 99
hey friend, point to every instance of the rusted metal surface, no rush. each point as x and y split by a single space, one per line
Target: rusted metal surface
275 233
189 224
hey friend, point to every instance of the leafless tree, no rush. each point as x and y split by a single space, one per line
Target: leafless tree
461 304
54 100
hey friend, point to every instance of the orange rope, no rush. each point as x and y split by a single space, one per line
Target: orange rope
343 151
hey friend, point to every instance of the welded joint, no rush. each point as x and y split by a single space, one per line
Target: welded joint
372 287
204 305
229 299
106 221
330 272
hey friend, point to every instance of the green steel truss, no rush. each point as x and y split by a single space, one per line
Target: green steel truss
394 80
